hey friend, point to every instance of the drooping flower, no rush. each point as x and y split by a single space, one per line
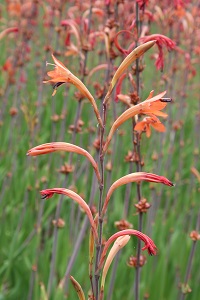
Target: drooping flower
149 244
61 146
48 193
61 75
134 177
161 40
147 122
7 31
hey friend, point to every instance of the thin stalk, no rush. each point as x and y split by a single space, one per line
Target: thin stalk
38 249
189 266
138 167
54 248
101 187
113 275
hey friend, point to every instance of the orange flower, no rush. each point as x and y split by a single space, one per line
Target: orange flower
62 75
144 125
151 106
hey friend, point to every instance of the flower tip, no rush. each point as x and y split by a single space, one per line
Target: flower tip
170 183
152 251
166 100
46 194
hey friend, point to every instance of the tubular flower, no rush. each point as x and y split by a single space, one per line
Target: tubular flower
134 177
160 41
136 53
151 106
60 146
144 125
77 288
48 193
118 245
7 31
62 75
149 244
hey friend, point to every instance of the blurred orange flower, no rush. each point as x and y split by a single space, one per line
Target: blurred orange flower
147 122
